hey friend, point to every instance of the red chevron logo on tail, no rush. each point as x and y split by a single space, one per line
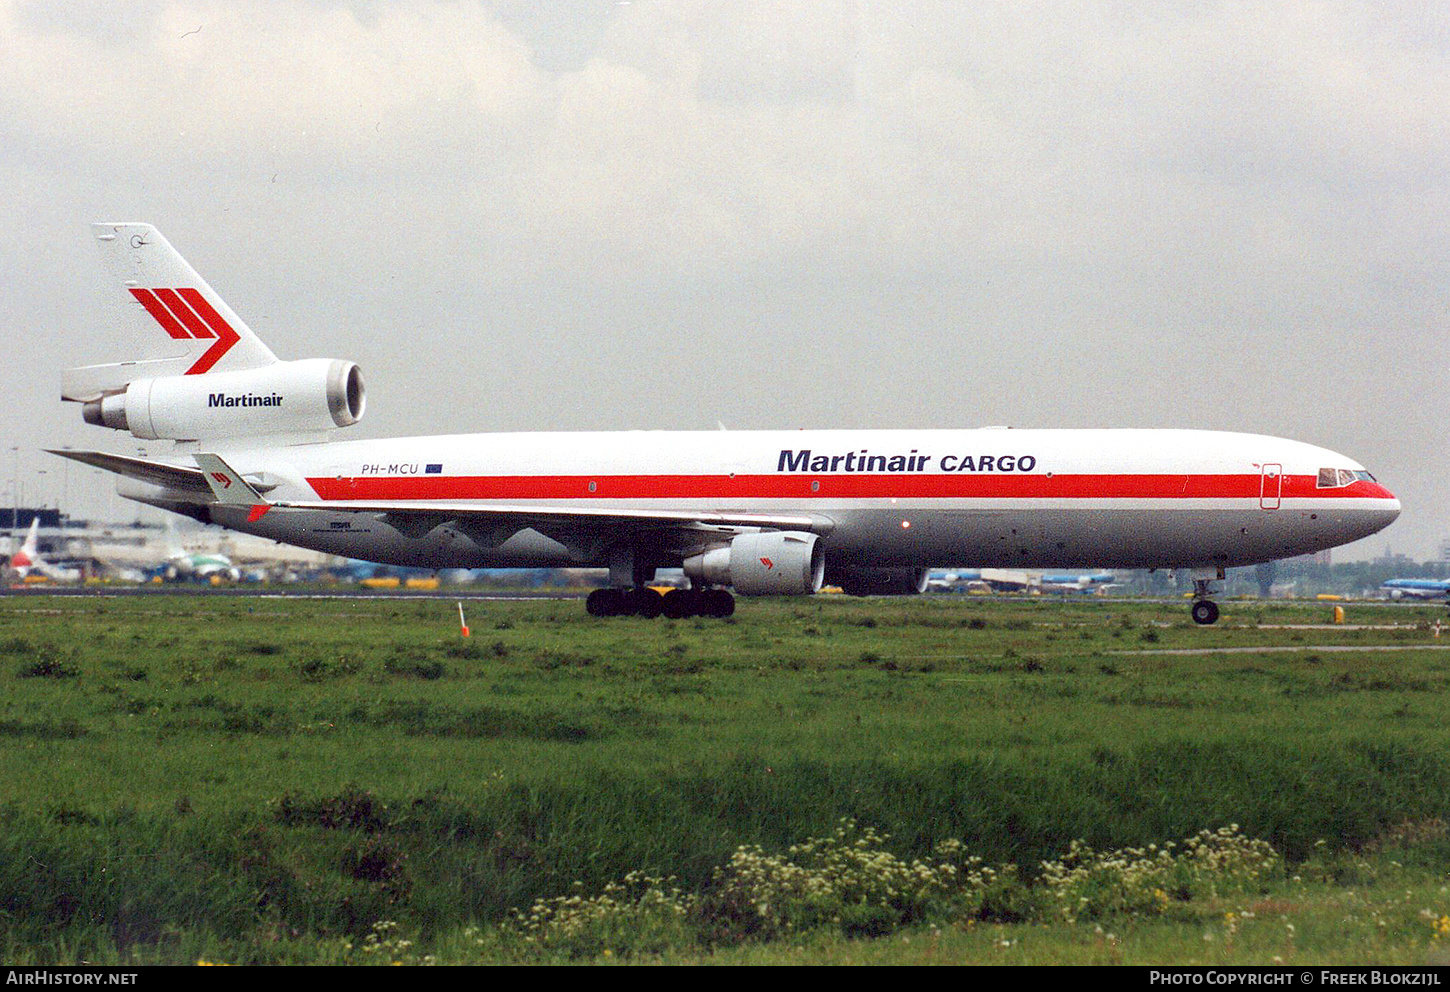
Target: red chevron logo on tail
185 314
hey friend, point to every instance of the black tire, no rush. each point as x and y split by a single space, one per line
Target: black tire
718 603
681 603
608 602
1204 612
647 603
604 603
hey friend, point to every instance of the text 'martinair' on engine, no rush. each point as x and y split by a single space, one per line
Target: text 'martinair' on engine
282 398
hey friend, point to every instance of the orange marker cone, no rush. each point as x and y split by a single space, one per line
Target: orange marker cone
461 622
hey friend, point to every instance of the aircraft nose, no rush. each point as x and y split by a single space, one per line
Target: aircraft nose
1384 511
1389 511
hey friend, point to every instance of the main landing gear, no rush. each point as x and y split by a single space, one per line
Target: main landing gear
677 604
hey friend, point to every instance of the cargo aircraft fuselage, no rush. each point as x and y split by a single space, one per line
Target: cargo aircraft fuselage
761 512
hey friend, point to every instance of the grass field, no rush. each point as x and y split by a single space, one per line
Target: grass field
261 780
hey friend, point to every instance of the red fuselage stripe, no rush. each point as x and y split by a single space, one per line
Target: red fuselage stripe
725 487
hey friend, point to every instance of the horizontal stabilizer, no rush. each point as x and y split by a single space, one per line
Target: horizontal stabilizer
91 382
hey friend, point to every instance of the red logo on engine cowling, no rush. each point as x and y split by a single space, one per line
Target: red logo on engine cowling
767 563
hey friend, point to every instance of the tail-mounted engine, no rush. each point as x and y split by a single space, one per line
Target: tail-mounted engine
776 563
305 396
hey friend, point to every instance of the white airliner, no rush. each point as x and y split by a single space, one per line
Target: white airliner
759 512
27 560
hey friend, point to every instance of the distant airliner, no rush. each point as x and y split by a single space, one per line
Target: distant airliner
27 560
760 512
183 564
1417 588
1091 582
1018 580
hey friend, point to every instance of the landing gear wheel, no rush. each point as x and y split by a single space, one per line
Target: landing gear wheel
646 602
681 603
717 603
603 603
1204 612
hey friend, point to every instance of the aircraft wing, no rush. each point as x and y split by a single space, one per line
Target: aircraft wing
215 481
189 480
498 520
411 516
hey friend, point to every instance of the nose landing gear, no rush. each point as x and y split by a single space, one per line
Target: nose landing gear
1204 610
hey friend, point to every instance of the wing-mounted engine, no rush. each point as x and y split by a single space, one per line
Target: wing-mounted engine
305 396
773 563
857 581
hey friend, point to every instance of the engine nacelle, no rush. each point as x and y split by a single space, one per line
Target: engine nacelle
288 397
777 563
857 581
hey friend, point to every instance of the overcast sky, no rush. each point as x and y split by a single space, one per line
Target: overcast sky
601 214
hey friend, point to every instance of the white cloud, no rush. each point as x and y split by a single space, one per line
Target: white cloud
1212 206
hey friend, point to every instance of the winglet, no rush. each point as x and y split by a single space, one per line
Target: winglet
229 487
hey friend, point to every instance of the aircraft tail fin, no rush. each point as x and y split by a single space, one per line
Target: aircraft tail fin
31 547
174 549
189 329
29 554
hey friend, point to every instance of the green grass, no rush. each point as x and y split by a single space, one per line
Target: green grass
262 780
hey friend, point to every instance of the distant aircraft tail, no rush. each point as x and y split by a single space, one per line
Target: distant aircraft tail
189 329
29 554
31 547
174 549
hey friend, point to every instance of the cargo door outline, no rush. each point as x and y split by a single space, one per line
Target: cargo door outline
1271 485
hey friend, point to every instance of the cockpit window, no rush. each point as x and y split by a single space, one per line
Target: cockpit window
1334 478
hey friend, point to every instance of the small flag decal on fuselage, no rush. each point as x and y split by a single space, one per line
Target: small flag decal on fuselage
436 469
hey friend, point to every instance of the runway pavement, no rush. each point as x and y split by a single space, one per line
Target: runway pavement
276 592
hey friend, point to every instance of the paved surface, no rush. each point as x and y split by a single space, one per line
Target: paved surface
271 592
